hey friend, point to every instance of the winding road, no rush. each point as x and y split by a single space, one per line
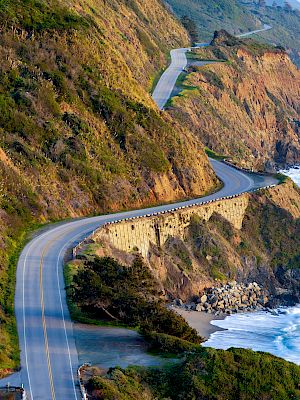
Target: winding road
165 86
49 358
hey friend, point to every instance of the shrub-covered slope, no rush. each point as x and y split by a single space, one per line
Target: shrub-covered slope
209 375
211 15
247 107
102 289
285 24
238 16
79 132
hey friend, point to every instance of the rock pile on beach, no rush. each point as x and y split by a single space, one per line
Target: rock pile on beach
230 298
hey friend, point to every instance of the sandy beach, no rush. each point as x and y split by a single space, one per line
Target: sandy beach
200 321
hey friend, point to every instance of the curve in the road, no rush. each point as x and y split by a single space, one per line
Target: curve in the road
166 84
49 358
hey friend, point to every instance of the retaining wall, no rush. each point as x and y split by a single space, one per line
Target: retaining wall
138 233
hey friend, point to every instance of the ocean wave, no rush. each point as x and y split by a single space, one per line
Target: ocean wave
261 331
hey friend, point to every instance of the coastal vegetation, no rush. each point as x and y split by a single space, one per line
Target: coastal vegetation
211 374
104 290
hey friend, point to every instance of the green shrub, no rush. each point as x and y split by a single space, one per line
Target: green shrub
39 15
208 374
169 344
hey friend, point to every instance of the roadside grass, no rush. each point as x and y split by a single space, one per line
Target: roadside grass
180 88
9 339
198 57
281 178
214 155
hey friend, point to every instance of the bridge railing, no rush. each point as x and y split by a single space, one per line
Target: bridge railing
248 170
79 246
83 392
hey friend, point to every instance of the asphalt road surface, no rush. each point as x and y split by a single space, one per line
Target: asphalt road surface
49 357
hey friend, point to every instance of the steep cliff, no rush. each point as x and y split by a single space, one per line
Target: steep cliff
265 249
79 132
246 106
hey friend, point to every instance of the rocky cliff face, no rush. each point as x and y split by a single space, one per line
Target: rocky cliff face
246 107
264 250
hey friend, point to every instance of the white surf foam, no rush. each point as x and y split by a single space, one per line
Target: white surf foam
293 173
261 331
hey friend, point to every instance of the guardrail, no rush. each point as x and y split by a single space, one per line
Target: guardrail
84 395
249 171
14 389
79 246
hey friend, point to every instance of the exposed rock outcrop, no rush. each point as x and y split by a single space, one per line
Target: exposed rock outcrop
246 105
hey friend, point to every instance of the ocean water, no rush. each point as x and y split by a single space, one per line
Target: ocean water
261 331
293 173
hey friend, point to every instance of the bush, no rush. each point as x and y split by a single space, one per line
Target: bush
209 374
169 344
38 15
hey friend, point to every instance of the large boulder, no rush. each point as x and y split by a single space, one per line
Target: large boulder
203 299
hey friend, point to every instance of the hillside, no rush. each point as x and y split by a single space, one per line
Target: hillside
285 23
245 105
79 133
237 16
211 15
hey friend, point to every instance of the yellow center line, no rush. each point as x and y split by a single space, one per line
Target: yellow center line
45 249
44 322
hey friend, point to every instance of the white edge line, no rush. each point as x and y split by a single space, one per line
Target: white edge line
63 314
24 323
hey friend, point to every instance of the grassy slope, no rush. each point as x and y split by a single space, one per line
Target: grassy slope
211 15
79 133
242 15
